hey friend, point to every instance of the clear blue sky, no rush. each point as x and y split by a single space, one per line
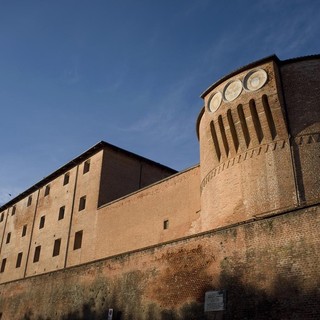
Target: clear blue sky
130 72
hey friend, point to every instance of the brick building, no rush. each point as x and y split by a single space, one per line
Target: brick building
113 230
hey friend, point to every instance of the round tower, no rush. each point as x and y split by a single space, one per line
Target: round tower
259 134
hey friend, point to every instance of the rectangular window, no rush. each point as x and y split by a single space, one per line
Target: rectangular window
56 247
82 203
47 190
66 178
36 256
3 265
8 237
77 240
19 259
86 166
61 213
29 201
24 230
2 217
42 221
13 212
166 224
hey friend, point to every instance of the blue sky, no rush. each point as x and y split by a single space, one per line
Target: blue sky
130 72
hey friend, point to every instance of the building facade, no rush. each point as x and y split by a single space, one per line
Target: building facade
113 230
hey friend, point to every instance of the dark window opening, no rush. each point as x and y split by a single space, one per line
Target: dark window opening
56 247
61 213
8 237
47 190
66 178
42 220
13 212
166 224
24 230
2 217
86 166
82 203
3 265
36 256
19 259
29 201
77 240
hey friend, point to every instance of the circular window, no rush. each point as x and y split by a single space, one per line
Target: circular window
255 80
215 101
232 90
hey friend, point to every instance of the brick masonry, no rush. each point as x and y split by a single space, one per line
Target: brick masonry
268 267
153 241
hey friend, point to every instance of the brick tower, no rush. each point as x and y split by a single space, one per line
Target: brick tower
259 135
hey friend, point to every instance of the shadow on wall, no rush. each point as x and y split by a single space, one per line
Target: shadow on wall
288 301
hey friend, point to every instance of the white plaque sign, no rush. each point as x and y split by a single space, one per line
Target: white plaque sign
214 301
255 80
110 314
232 90
215 101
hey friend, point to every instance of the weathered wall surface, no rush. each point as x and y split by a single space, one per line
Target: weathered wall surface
40 236
268 267
245 156
128 174
301 84
137 221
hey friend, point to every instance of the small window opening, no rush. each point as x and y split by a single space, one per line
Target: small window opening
19 259
8 237
13 212
36 256
42 221
77 240
82 203
66 178
86 166
29 201
3 265
24 230
56 247
2 217
166 224
47 190
61 213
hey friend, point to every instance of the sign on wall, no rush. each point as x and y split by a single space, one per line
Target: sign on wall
110 314
215 301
